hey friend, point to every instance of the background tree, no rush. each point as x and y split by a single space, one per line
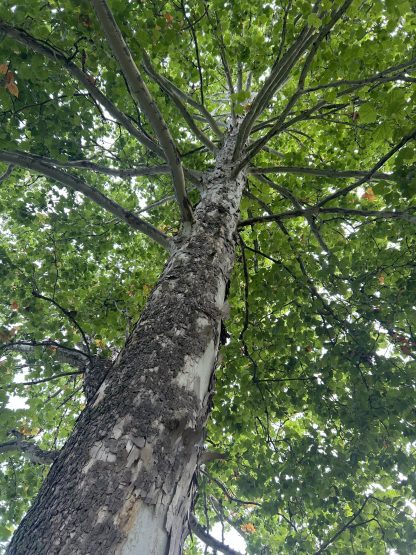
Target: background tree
130 135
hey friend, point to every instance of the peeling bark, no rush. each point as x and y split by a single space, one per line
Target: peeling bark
123 484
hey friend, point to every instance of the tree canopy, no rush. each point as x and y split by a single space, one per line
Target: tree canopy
313 418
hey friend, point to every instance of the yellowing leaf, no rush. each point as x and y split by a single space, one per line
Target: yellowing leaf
369 195
381 279
12 88
3 69
250 528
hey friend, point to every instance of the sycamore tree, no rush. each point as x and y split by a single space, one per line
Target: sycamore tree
177 176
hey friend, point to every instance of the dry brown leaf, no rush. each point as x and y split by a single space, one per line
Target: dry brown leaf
12 88
369 195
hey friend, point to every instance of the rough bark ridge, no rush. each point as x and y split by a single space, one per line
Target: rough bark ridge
123 482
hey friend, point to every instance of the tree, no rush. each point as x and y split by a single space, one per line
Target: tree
226 173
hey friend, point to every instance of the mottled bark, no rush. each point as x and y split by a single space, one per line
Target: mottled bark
123 483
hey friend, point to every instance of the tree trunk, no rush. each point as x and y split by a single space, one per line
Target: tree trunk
123 483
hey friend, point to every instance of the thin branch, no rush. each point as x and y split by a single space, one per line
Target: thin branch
145 101
342 529
370 174
73 357
7 173
205 114
178 103
209 540
230 496
85 79
43 380
315 210
195 39
66 313
381 77
76 183
322 172
310 217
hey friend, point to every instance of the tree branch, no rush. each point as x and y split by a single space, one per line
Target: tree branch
34 453
73 357
66 313
278 76
321 172
379 77
205 114
7 173
75 183
145 101
43 380
342 529
178 103
315 210
56 55
209 540
370 174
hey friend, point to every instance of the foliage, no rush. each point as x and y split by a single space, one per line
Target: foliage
315 387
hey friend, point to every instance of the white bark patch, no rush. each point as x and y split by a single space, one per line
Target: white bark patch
146 532
196 373
100 394
99 453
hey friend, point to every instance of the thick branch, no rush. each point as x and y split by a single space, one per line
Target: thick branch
145 101
278 76
75 183
34 453
70 356
84 78
209 540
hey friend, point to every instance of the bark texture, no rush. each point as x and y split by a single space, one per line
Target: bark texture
123 484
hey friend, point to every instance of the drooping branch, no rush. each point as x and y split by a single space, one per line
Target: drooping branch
85 79
68 355
145 101
321 172
34 453
76 183
164 85
209 540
